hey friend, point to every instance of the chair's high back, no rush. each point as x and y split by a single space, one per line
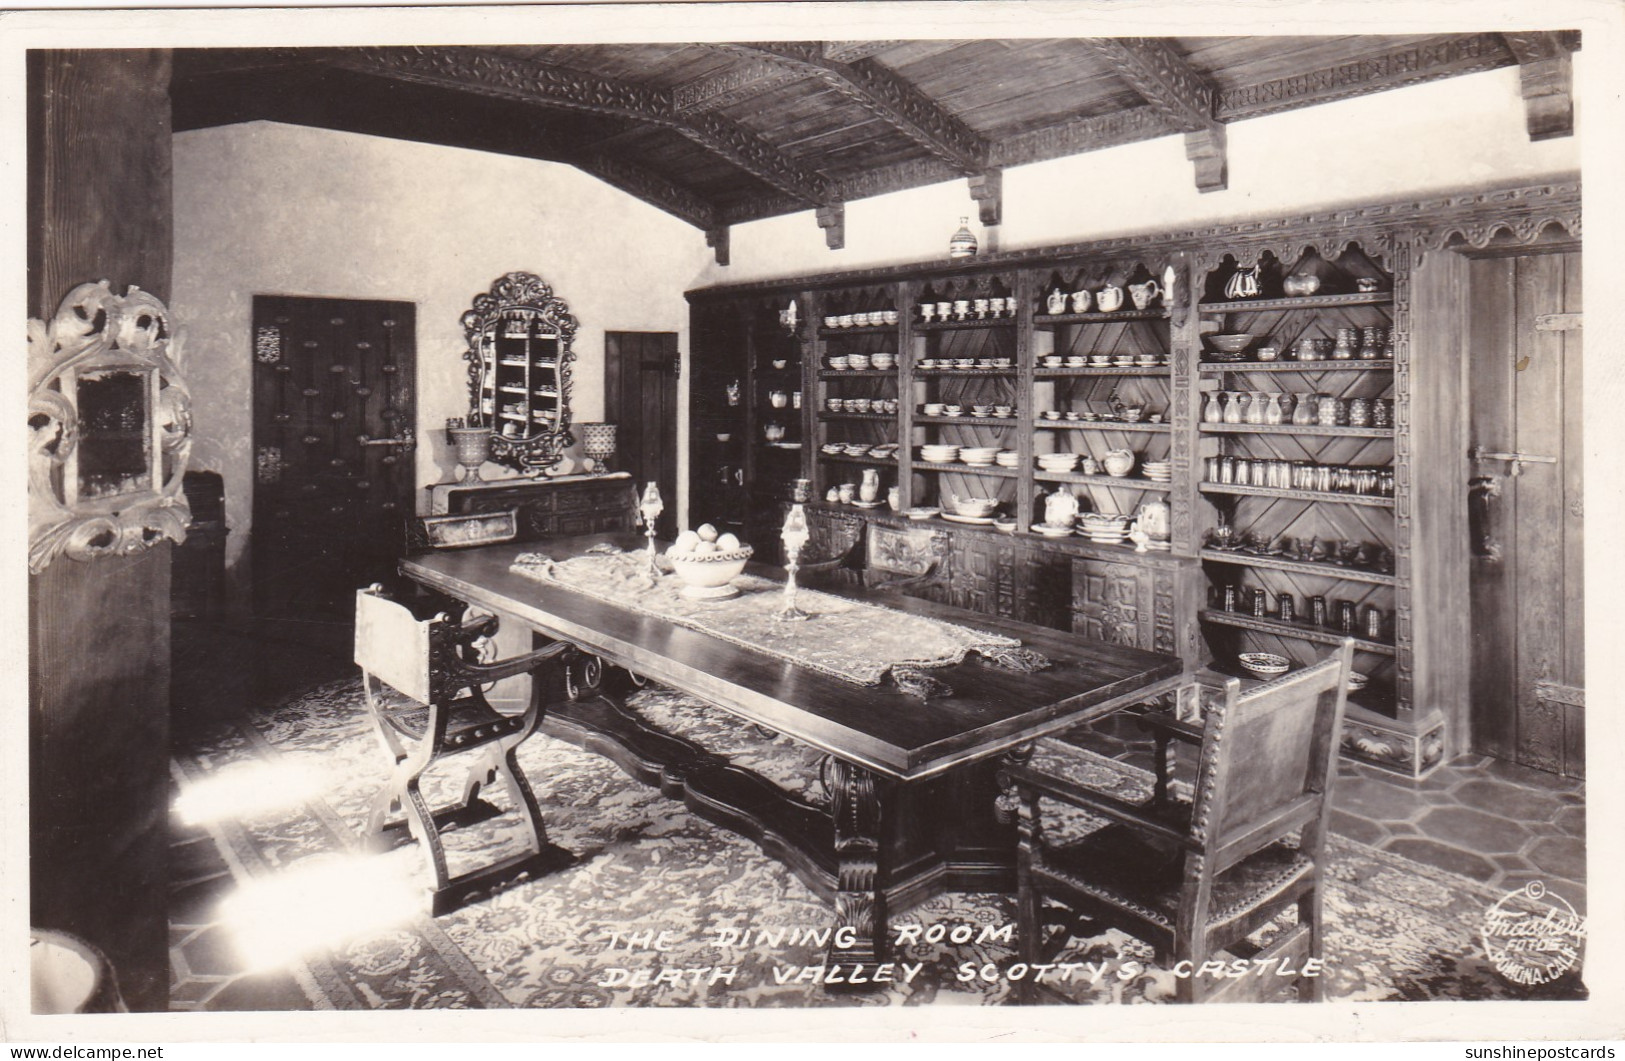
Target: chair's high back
1266 759
392 645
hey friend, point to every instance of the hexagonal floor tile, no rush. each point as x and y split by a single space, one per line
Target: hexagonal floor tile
1474 830
1377 799
1443 856
1562 855
1515 801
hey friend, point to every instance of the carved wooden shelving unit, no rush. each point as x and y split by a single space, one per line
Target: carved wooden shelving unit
1354 539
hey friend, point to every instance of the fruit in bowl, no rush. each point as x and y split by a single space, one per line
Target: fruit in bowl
706 561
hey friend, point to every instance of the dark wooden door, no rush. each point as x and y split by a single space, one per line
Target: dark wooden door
1528 586
640 397
333 447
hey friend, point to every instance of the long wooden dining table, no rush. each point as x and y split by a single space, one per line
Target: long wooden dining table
910 782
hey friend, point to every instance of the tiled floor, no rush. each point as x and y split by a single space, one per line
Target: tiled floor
1485 819
1481 818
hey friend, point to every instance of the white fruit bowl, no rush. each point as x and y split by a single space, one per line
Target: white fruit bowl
706 576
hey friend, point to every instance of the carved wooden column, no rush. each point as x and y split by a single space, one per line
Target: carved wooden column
860 899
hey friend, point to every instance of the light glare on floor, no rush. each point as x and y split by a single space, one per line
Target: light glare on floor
246 789
319 903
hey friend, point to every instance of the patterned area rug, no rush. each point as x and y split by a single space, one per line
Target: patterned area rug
660 908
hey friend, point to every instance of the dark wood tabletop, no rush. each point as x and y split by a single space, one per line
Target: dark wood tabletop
991 708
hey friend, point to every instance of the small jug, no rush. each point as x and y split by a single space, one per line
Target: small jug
1080 301
1056 303
1142 294
1110 299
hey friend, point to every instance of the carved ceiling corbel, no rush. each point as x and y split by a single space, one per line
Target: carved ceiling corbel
1179 92
1547 75
717 239
832 219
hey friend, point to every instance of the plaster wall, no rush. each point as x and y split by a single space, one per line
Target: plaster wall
267 208
1441 135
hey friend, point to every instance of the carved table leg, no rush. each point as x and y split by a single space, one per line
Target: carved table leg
860 900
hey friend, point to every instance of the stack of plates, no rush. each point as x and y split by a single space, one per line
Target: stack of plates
1158 471
857 449
884 451
1103 529
939 454
981 456
1057 462
1006 458
1053 530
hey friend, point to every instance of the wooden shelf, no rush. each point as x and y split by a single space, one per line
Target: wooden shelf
949 326
887 417
1115 482
1099 425
1250 305
1050 320
884 462
857 373
1221 367
1301 567
1370 500
1299 631
922 420
857 329
965 469
1102 370
927 373
1293 429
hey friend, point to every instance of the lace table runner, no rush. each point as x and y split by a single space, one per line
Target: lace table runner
851 640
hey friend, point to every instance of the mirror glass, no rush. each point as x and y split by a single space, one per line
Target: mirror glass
114 456
519 354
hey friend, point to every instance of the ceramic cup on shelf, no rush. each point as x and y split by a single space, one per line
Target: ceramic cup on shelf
962 309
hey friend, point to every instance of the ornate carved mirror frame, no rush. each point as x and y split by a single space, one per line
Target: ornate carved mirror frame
519 355
109 428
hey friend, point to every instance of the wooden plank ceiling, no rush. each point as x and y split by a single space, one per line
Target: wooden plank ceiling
726 132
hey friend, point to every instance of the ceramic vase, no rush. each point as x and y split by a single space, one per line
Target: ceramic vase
869 487
1255 408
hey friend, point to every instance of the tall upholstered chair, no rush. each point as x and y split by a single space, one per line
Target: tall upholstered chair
1196 878
433 664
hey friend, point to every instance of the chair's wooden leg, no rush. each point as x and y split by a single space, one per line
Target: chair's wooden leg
1029 903
1165 766
421 819
384 731
523 798
1311 914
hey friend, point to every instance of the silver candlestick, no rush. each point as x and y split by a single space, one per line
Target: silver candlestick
650 508
794 534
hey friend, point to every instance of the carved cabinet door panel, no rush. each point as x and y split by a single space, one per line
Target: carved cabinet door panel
334 422
1110 603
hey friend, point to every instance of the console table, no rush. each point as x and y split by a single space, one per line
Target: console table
911 782
548 508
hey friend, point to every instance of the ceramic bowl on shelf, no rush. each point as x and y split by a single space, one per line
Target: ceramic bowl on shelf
1231 343
832 448
706 575
975 507
978 454
922 512
857 449
1057 462
1005 524
859 362
1264 664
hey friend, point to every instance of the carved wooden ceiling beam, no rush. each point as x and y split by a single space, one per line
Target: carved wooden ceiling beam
649 186
1547 76
551 86
746 78
887 96
1179 92
1376 72
852 51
